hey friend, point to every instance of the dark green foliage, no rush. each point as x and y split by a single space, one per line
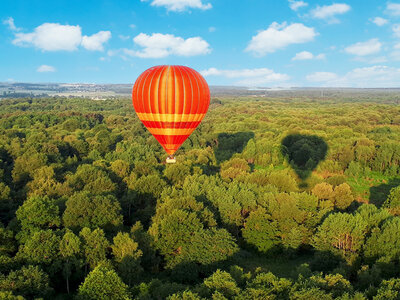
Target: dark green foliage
29 282
304 152
90 210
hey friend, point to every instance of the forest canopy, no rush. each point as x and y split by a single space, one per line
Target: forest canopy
270 198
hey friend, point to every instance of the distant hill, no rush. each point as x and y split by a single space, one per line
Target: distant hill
102 91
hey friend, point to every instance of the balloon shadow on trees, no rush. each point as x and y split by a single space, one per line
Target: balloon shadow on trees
379 193
231 143
304 153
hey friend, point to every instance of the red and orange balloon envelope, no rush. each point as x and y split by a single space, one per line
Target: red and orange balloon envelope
171 101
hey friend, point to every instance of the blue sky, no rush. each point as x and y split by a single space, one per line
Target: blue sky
231 42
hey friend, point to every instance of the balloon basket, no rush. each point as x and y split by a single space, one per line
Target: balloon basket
170 160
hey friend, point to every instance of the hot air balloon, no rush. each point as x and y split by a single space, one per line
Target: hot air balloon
171 101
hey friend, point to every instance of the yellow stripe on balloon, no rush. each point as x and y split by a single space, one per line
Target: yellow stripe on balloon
171 131
170 117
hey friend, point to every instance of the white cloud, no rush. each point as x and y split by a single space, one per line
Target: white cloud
278 36
305 55
395 55
95 42
374 76
56 37
181 5
249 77
124 37
328 12
211 29
396 30
364 48
393 9
45 68
321 76
160 45
10 23
132 26
295 5
371 60
379 21
396 46
51 37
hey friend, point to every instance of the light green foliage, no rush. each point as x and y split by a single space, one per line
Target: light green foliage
334 284
234 168
393 201
70 252
384 241
342 234
95 246
373 215
181 236
266 286
283 181
103 283
186 295
223 283
38 212
177 173
26 164
44 183
120 168
388 290
91 179
260 231
90 210
342 196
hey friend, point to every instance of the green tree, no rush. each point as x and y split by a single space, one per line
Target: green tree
342 196
70 252
29 281
103 283
384 241
223 283
260 231
91 179
41 248
38 212
393 201
342 234
127 255
388 290
90 210
95 246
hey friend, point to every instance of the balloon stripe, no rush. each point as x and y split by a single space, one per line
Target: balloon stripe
170 131
196 100
167 117
151 124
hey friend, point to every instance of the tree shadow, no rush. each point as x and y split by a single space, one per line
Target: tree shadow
231 143
379 193
304 153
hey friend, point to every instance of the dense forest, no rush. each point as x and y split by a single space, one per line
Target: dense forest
270 198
